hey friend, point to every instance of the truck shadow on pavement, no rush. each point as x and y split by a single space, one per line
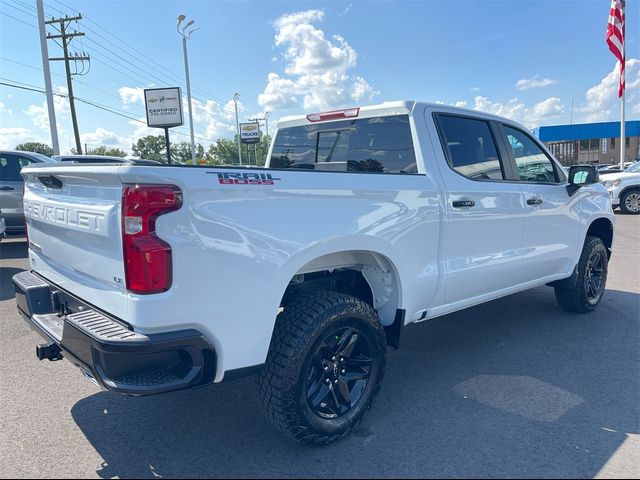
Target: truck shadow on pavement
10 250
512 388
6 285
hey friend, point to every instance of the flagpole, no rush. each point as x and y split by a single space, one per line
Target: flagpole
622 135
623 61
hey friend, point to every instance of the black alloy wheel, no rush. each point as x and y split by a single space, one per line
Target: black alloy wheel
339 373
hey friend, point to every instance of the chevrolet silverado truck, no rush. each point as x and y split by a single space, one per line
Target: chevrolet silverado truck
153 279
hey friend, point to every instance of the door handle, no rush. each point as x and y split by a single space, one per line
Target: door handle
6 188
463 204
534 201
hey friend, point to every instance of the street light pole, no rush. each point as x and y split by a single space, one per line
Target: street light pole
185 36
236 97
266 121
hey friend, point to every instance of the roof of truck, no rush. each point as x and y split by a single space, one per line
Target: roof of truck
401 107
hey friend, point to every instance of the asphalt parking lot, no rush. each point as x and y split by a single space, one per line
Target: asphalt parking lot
512 388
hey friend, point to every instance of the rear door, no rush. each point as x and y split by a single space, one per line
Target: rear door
11 186
552 223
484 211
73 216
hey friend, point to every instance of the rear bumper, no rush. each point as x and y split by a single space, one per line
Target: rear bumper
107 349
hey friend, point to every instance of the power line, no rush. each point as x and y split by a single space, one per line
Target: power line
223 105
33 88
17 19
18 8
60 75
202 92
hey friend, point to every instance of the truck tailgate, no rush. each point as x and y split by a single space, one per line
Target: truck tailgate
73 216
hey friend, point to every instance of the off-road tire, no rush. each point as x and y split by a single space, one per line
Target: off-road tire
301 328
578 299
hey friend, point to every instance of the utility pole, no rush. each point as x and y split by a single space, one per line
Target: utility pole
258 120
66 39
53 127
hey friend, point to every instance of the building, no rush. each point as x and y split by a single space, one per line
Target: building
591 142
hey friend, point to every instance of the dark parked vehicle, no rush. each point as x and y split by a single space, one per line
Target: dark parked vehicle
12 185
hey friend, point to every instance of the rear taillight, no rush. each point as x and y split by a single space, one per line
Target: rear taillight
147 259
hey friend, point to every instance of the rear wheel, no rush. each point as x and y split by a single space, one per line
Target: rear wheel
630 202
592 278
324 366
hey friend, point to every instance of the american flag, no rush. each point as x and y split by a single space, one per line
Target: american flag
615 37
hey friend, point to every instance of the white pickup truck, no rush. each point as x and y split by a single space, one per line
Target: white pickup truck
159 278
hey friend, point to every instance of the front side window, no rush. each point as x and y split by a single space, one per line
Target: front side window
532 163
379 144
10 166
471 148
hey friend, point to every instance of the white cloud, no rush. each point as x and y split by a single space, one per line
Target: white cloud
10 137
279 93
534 82
461 104
541 113
544 112
40 113
513 109
131 95
316 67
601 100
4 109
102 136
346 10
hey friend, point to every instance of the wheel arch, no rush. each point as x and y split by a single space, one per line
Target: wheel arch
602 228
365 274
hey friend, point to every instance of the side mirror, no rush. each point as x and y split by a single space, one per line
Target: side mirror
580 175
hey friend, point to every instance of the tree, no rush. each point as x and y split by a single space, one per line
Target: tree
37 147
225 152
104 151
181 152
151 147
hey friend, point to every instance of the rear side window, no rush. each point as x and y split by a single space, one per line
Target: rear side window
381 144
10 166
470 147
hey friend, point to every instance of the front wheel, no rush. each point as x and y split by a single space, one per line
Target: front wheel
592 278
324 366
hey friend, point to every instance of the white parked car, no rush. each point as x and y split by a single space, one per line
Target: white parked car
160 278
624 189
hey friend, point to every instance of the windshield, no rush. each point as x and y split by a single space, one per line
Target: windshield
635 168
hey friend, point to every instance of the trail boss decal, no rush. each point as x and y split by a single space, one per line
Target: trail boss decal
225 178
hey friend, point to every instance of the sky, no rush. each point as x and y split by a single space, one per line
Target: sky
526 60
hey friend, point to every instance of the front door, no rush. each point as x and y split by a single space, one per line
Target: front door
552 221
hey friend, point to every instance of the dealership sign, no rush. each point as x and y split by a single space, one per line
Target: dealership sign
164 107
250 132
